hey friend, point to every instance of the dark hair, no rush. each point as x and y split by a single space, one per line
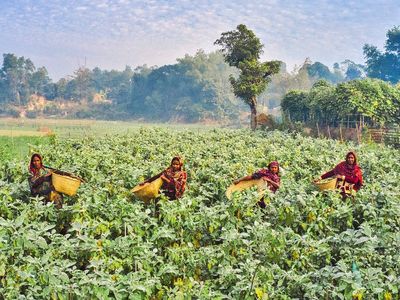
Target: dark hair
36 155
352 153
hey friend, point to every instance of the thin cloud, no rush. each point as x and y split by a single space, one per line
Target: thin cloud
112 34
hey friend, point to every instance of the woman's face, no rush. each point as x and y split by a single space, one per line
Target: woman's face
37 162
274 169
175 165
350 159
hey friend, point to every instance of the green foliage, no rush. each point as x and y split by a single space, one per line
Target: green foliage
251 81
294 105
242 49
18 147
373 98
115 84
240 45
320 71
19 78
195 88
303 78
353 70
105 245
378 101
386 65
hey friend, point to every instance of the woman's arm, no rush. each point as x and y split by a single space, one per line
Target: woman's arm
165 178
152 178
180 185
328 174
275 184
34 181
245 178
62 173
351 179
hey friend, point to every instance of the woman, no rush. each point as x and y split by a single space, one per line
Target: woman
40 181
269 175
174 179
347 172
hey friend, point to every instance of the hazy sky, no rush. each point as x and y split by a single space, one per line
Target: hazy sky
60 35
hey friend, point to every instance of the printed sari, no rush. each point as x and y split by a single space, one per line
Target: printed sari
267 174
40 184
177 181
353 174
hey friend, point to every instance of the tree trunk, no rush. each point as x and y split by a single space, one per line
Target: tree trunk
253 116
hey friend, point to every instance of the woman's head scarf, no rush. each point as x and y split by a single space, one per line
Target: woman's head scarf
273 164
32 168
179 159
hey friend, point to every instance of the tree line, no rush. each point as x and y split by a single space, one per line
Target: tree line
199 87
373 101
196 87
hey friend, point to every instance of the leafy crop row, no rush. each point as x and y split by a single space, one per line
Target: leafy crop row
103 244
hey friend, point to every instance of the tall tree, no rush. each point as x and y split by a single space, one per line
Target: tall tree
83 83
352 70
39 81
242 49
385 65
319 71
15 75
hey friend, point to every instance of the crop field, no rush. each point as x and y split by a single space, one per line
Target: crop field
17 147
104 244
75 128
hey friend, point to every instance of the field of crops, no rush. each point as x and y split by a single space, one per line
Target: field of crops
105 245
75 128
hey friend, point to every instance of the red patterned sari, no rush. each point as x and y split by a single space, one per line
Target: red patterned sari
176 186
266 173
352 173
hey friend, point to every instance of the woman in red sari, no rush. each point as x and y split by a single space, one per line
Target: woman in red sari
347 171
269 175
40 181
174 179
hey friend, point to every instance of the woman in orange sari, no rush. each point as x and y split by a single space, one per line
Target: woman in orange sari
40 181
174 179
348 173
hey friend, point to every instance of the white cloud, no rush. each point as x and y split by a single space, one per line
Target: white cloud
116 33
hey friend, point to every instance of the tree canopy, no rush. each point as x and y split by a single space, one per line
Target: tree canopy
385 65
19 78
242 49
376 100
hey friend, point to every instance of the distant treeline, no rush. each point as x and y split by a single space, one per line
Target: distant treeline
194 88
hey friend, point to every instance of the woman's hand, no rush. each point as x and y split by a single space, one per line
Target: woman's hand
341 177
165 179
49 173
317 179
245 178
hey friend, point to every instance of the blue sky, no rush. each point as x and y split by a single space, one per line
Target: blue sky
62 35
